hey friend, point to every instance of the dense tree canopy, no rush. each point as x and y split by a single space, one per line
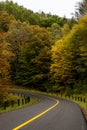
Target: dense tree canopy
42 51
31 47
69 67
28 16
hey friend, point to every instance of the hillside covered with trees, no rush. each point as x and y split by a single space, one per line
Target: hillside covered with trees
42 51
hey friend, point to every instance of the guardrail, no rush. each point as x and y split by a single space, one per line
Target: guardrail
72 97
25 99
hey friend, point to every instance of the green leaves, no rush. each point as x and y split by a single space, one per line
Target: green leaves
32 60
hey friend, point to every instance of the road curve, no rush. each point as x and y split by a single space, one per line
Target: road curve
63 116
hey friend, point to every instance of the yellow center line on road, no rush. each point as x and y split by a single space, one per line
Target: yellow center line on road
37 116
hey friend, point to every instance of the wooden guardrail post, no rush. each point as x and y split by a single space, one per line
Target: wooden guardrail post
6 104
12 103
22 101
28 99
84 100
18 102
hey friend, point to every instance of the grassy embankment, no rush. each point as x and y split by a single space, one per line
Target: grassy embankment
15 98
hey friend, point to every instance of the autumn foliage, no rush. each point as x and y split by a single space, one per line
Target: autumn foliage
42 51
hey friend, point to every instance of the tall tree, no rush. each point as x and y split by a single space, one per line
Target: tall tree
65 30
18 35
5 55
69 66
56 68
55 32
5 20
31 48
35 60
81 8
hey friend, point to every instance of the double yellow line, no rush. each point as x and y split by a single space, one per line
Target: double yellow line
37 116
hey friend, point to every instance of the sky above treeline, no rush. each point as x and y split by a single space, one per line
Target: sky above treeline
59 7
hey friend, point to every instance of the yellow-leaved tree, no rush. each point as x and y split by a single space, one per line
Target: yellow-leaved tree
5 55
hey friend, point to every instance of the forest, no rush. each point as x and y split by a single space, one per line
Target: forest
43 51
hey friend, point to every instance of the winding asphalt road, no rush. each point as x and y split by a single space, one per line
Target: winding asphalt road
48 114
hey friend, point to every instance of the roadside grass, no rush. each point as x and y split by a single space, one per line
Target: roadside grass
16 106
